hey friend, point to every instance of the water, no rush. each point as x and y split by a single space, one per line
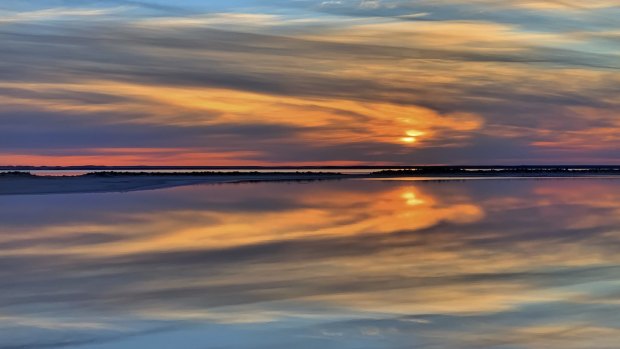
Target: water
339 264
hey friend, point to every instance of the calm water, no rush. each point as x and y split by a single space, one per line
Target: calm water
344 264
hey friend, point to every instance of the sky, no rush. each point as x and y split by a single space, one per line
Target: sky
309 82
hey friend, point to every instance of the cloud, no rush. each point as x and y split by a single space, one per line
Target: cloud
335 83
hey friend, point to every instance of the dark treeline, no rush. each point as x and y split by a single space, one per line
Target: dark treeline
16 174
207 173
500 170
429 171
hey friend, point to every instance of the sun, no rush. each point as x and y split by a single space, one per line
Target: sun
414 133
412 136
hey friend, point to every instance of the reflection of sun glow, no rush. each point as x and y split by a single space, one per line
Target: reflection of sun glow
412 199
408 139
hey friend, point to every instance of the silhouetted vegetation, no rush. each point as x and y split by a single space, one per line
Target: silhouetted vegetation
420 171
16 174
208 173
431 171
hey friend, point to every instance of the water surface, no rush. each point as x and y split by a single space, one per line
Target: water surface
337 264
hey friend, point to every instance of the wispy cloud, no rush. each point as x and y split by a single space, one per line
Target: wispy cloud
348 85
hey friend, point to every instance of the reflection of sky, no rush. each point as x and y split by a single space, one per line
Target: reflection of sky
343 264
240 82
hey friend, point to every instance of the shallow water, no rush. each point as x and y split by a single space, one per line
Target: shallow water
339 264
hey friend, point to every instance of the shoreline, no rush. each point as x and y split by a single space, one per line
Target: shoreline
27 184
119 183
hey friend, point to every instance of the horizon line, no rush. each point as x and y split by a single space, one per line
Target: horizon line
96 167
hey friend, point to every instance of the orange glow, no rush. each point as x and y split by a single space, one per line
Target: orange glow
144 157
414 133
422 85
391 210
163 104
412 199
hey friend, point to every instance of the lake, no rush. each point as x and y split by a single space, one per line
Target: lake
364 264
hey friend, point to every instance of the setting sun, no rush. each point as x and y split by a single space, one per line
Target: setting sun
414 133
412 136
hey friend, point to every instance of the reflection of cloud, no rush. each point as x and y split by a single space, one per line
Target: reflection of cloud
466 258
321 216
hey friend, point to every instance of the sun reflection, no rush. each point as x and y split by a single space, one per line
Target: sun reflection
412 199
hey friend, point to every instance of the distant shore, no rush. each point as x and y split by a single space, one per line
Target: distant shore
23 183
19 183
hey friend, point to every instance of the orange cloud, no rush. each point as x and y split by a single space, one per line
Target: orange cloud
325 120
132 156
